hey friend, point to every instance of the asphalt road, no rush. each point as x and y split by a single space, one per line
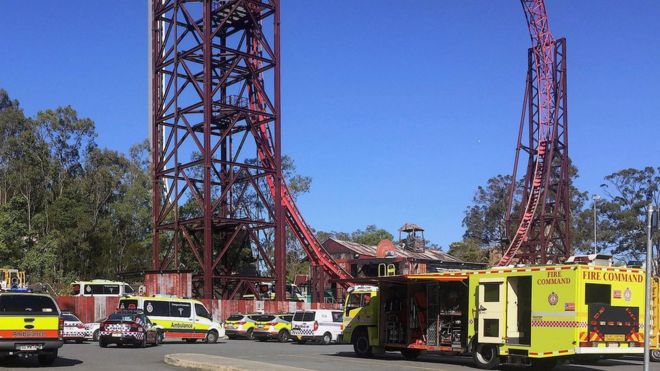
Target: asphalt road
90 356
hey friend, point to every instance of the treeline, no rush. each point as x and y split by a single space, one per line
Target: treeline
68 208
621 207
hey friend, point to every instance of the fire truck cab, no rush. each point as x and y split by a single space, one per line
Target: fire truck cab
516 315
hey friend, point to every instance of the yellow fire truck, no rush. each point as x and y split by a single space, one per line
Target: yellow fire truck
521 315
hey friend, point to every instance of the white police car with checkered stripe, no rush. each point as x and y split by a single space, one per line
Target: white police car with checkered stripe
324 325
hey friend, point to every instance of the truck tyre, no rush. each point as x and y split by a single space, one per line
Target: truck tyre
212 337
361 345
486 357
410 354
283 336
655 355
47 358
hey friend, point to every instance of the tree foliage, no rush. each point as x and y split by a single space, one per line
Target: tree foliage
69 209
623 211
621 216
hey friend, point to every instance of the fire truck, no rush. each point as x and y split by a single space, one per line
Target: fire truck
516 315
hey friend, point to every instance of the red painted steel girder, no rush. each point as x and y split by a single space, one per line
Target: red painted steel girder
543 216
218 188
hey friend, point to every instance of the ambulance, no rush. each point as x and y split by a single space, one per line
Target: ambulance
176 318
514 315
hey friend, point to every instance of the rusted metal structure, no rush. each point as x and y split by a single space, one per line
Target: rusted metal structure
542 218
220 204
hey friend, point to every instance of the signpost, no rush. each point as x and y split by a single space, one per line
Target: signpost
651 225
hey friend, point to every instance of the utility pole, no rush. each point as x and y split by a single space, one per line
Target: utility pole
595 198
651 225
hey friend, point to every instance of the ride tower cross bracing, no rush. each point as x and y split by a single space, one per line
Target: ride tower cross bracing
220 203
542 218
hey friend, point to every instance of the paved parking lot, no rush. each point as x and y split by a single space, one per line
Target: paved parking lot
309 356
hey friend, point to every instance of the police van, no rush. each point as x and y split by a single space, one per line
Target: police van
322 325
177 318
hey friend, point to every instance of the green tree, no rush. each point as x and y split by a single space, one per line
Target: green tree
622 216
371 235
469 250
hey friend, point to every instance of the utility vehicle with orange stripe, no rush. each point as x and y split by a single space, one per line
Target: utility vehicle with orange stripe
30 324
516 315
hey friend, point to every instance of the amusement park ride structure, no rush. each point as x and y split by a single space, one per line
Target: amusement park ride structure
220 202
543 233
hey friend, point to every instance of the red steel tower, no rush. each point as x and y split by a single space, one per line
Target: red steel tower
542 218
220 204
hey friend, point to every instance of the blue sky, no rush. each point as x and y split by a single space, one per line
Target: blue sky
398 110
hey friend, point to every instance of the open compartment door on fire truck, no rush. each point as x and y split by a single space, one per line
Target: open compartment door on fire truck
490 310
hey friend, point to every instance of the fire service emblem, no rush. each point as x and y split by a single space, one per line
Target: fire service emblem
553 298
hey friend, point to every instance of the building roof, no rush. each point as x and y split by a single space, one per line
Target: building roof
410 227
370 251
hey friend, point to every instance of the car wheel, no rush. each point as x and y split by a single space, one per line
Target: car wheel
410 354
212 337
361 345
102 343
250 334
283 336
95 335
47 359
486 357
143 343
327 338
655 355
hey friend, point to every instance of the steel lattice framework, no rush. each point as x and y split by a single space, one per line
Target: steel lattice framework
542 218
220 204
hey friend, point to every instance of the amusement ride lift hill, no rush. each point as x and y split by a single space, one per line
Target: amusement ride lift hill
220 201
543 233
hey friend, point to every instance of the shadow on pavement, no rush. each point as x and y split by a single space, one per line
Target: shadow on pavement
466 361
32 362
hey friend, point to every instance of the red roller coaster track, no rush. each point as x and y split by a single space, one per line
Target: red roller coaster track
543 231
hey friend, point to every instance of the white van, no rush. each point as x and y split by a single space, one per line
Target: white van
322 325
100 288
176 318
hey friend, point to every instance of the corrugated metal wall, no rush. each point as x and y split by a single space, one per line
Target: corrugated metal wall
92 308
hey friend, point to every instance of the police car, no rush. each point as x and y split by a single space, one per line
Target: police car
74 329
128 327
